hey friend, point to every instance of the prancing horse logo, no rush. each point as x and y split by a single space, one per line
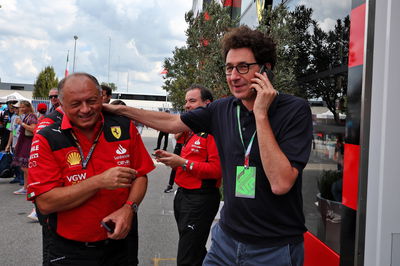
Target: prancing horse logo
116 131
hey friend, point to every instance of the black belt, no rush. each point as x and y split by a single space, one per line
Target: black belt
97 244
199 190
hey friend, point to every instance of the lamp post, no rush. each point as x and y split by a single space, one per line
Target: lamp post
73 65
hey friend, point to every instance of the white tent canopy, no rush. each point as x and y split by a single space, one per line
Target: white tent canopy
329 115
18 96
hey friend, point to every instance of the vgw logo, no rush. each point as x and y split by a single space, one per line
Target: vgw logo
76 178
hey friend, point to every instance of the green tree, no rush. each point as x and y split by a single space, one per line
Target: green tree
200 60
45 81
312 63
111 85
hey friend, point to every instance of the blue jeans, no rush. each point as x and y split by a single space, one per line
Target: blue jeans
227 251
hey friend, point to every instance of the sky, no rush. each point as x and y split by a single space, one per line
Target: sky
137 35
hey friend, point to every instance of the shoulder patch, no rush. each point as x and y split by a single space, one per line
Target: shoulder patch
116 127
202 134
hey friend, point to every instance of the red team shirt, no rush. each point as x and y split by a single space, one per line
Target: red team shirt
203 162
62 167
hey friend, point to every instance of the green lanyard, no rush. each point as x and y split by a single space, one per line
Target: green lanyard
248 149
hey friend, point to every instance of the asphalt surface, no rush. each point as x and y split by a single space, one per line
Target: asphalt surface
20 238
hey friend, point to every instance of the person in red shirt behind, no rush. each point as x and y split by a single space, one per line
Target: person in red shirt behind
87 172
198 175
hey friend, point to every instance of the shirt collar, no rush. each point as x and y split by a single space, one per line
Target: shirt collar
272 108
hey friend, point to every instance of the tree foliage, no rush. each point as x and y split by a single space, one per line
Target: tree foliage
45 81
312 63
111 85
200 60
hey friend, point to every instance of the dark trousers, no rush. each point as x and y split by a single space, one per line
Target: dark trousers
67 252
160 137
177 151
194 214
132 242
4 138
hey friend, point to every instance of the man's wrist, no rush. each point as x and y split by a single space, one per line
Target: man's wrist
185 165
133 205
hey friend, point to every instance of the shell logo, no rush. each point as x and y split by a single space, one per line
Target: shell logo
73 158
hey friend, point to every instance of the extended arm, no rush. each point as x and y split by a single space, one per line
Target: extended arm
161 121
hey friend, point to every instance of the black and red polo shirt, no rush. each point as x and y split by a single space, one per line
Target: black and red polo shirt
55 161
203 168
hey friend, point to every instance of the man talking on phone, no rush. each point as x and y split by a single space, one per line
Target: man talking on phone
264 142
198 175
87 172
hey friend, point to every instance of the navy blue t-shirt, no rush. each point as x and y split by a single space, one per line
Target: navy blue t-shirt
268 219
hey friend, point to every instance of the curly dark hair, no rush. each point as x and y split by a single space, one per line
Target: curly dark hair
262 46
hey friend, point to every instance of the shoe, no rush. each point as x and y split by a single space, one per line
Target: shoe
156 149
33 216
169 189
21 191
14 181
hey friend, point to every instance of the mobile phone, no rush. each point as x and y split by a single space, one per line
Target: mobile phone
156 155
109 226
270 75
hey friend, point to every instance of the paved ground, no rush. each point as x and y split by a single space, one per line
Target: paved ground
20 239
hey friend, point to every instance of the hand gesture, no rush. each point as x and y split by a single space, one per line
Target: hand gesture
117 177
265 93
170 159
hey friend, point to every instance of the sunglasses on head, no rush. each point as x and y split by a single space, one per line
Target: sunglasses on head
53 96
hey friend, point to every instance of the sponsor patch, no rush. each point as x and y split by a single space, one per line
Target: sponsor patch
73 158
34 148
74 179
32 164
121 150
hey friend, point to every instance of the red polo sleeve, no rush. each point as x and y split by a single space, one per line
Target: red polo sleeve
142 161
44 174
209 169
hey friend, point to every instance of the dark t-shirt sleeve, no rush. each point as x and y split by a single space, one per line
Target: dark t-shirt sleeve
200 119
297 137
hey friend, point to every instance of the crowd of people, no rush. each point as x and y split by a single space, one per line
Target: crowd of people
86 159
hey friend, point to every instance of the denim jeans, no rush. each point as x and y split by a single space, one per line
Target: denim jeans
227 251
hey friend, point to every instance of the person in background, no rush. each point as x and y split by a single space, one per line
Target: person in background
106 93
198 175
23 147
162 135
55 102
12 142
180 140
5 118
41 109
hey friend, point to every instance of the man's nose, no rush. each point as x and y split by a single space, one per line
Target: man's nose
85 108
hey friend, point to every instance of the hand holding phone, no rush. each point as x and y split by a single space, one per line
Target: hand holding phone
270 75
109 226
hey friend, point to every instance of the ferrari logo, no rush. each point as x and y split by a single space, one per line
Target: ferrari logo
116 131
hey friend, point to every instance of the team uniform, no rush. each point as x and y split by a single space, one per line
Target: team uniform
55 161
197 199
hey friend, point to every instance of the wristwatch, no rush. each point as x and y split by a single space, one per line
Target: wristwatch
184 166
133 205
